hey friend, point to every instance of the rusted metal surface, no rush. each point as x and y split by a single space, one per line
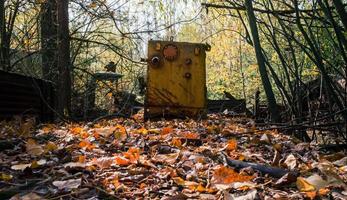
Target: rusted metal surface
22 95
176 80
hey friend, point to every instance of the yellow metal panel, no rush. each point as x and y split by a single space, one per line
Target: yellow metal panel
176 87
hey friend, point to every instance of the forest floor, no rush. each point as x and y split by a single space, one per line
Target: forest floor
177 159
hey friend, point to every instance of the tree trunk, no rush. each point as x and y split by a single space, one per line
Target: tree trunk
261 62
2 36
49 40
64 62
341 11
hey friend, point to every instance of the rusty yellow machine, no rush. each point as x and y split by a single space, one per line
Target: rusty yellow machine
176 80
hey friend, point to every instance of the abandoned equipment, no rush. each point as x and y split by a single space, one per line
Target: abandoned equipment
176 79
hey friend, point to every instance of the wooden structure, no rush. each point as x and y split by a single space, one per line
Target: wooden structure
92 86
25 96
176 80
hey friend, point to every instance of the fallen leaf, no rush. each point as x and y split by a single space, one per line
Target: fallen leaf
142 131
68 184
30 196
265 138
225 175
75 165
121 161
323 191
231 145
120 133
5 177
50 146
86 145
291 162
76 130
303 185
317 181
251 195
166 130
176 142
190 135
103 162
33 148
133 154
311 195
165 158
287 179
20 167
81 159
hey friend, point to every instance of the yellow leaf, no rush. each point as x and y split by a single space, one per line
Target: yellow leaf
34 165
142 131
303 185
179 181
92 5
50 146
5 177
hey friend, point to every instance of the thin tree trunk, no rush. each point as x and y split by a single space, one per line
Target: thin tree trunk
261 62
64 62
2 33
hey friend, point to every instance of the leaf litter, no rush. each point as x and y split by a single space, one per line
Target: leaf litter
216 158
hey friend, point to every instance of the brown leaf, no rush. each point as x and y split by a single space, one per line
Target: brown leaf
33 148
68 184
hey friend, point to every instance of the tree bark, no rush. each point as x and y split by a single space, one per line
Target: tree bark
261 63
341 11
3 35
64 62
49 39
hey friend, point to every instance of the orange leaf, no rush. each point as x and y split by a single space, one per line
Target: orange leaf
84 135
176 142
189 135
311 195
323 191
81 159
122 161
96 135
232 145
76 130
225 175
133 154
120 133
166 130
142 131
86 144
